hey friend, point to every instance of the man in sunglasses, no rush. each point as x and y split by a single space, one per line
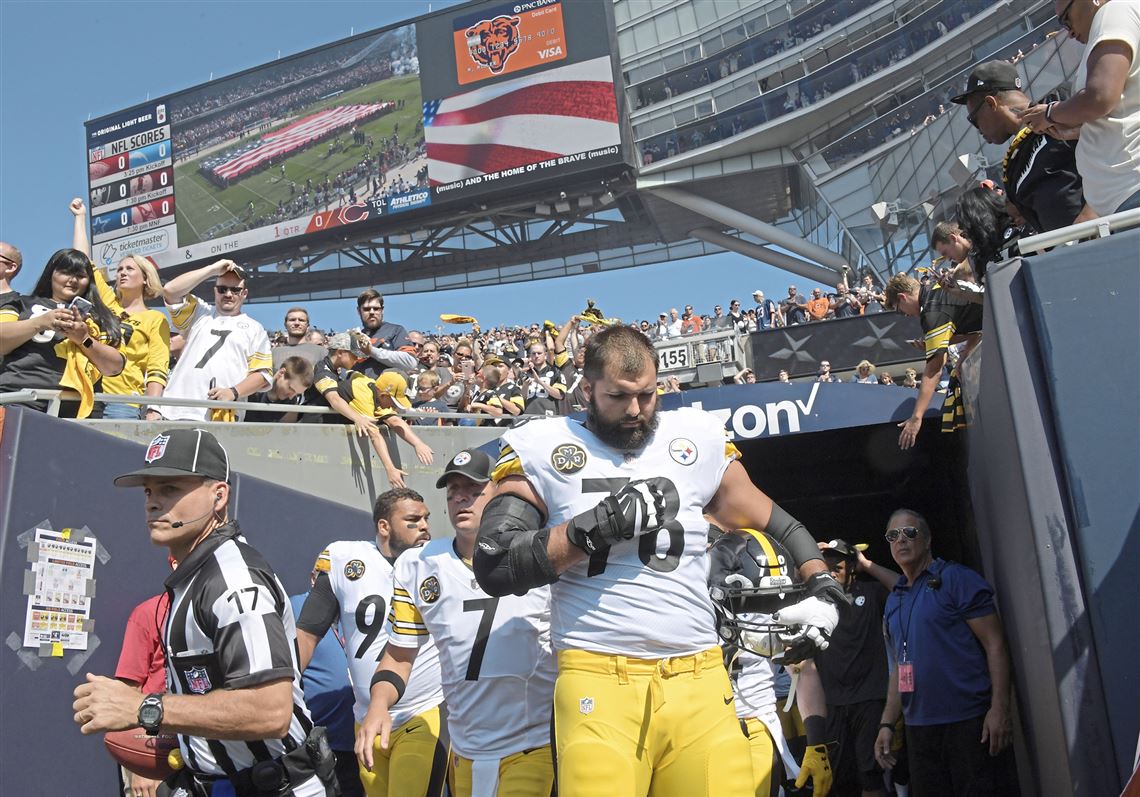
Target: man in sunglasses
227 355
949 672
1039 172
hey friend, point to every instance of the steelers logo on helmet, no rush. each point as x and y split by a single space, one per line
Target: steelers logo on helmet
568 458
751 577
429 589
683 451
353 569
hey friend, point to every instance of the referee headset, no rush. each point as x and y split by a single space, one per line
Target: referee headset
213 511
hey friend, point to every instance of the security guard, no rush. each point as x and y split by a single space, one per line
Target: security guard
234 696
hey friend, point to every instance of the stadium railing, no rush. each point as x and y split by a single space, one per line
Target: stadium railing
702 359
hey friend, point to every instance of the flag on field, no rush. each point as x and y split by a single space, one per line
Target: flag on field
527 120
296 136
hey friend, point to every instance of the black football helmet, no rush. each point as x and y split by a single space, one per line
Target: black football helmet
751 577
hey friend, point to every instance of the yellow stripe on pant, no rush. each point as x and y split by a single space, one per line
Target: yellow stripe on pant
414 762
763 755
526 774
661 727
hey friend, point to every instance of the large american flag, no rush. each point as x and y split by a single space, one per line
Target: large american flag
562 111
297 136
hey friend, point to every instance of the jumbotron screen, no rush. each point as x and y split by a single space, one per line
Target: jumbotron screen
409 119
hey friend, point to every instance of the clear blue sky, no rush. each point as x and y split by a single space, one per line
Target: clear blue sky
63 62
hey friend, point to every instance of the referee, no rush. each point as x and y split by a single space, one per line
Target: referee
234 694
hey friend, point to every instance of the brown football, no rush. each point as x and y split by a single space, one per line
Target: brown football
142 754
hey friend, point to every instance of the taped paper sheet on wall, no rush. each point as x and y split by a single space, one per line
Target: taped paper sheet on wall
62 582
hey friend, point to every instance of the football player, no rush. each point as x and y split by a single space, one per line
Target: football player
352 587
751 582
610 512
497 665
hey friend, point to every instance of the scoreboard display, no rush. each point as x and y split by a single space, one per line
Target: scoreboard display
391 129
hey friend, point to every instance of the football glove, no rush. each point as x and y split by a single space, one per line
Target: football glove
634 509
818 768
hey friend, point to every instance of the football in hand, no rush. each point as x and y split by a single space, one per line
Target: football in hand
142 754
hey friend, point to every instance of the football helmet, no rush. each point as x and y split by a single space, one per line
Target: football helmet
751 577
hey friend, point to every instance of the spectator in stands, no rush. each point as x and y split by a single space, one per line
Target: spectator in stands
491 400
825 374
1104 109
943 317
1039 173
47 342
297 341
949 671
542 384
316 338
290 381
844 304
296 325
425 400
10 263
145 341
982 215
674 323
751 324
819 305
766 311
226 356
783 377
745 377
719 320
384 338
870 297
661 331
737 320
794 308
910 378
864 374
951 244
690 321
886 379
573 398
429 361
461 378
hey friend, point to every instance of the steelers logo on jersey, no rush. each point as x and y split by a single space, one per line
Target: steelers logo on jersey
683 451
568 458
353 569
429 589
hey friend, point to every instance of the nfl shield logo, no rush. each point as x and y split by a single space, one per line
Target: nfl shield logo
157 448
586 705
198 680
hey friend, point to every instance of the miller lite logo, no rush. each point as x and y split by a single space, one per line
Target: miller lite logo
157 448
492 41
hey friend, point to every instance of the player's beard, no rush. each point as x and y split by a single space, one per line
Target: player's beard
617 436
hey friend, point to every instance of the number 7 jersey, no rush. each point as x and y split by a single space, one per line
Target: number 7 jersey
361 580
646 597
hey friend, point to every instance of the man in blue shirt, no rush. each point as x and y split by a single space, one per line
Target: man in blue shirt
949 672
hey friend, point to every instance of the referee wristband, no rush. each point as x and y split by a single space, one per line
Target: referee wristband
890 726
387 676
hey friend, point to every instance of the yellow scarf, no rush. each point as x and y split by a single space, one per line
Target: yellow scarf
79 373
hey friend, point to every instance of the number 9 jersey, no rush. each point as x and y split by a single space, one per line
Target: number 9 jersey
646 597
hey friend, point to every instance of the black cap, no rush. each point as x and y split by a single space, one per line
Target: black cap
470 462
181 452
990 78
841 548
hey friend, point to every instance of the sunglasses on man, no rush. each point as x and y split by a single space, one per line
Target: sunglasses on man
893 534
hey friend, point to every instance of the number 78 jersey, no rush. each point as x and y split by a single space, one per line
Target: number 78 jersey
496 662
646 597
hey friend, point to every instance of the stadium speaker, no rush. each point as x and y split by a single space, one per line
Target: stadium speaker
562 205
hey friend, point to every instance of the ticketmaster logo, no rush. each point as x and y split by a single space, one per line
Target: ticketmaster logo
146 243
408 201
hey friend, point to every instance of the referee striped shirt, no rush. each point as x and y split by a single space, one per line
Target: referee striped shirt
231 626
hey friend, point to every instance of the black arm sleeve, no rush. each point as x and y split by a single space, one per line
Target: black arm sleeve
510 553
794 536
320 609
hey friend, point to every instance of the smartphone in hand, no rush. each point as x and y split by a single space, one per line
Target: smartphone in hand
81 306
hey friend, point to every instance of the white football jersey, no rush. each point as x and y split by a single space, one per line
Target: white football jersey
497 665
222 349
361 579
646 597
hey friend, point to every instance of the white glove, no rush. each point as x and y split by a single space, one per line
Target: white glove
811 611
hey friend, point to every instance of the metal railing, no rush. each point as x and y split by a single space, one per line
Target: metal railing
683 356
1094 228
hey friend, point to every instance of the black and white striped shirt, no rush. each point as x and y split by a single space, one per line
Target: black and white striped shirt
231 626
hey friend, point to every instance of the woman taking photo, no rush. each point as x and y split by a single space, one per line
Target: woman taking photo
61 336
146 332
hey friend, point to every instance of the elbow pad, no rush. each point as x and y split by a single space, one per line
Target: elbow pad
510 553
793 535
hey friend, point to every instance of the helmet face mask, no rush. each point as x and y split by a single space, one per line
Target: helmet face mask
751 577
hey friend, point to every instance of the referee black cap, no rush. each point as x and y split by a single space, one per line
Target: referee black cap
990 78
181 452
470 462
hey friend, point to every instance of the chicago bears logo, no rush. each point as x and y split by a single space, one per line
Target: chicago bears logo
353 569
429 590
492 41
568 458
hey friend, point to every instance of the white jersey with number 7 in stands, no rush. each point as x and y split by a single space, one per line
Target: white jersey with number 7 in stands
220 349
361 580
495 656
646 597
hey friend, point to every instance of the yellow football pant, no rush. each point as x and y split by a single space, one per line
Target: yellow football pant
636 727
414 764
526 774
763 755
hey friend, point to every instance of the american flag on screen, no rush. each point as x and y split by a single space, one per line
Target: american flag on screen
562 111
298 135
